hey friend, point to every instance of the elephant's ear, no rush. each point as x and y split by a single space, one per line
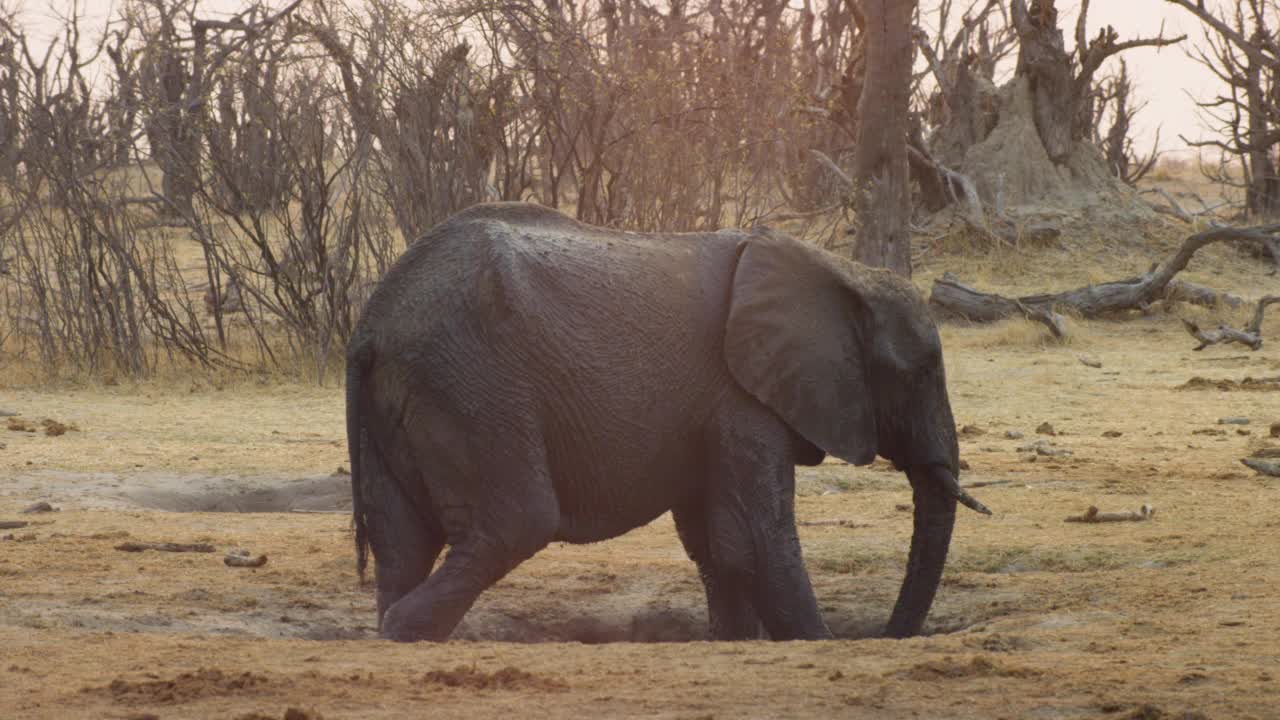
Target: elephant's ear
793 341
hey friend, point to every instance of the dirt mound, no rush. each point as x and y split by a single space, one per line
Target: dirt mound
949 668
508 678
1011 168
1266 384
183 688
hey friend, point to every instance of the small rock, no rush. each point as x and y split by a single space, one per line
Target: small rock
7 413
242 558
1208 431
40 507
1045 428
972 431
964 465
1044 448
1012 435
1112 434
1233 421
1275 429
902 507
1243 431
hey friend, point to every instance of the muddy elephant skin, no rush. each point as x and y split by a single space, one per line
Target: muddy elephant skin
519 378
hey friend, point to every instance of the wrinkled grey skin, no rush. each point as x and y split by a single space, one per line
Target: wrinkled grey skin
519 378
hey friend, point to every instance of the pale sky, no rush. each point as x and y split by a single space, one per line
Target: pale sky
1163 77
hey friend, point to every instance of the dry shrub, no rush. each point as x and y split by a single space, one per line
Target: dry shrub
228 197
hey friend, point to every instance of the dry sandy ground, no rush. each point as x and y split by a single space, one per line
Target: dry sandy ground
1173 618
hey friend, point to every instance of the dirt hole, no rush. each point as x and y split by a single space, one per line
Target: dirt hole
323 494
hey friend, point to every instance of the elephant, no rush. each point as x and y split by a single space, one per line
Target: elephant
518 377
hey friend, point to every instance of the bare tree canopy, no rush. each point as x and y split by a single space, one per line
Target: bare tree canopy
1240 48
235 180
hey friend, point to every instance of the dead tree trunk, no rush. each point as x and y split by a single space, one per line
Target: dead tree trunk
166 76
955 299
1043 59
1263 197
1116 95
10 111
882 192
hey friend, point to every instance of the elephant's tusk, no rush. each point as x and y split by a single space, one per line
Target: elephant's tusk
969 501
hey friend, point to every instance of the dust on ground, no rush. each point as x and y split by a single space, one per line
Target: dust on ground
1172 618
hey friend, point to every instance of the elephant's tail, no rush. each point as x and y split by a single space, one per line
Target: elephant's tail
358 361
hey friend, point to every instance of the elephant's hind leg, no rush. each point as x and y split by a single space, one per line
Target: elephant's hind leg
404 536
729 607
487 541
405 548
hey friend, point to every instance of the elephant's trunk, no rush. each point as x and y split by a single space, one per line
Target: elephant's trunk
935 516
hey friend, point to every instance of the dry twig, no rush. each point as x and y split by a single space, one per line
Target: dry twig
1146 512
165 547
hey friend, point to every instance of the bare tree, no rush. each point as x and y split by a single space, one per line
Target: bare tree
962 103
10 102
882 194
1113 100
1062 83
1241 49
412 88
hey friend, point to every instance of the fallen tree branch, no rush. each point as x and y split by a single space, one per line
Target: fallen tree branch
1173 209
830 523
1255 325
1265 467
988 483
961 299
1250 336
1146 512
165 547
1221 334
1050 319
1183 291
1135 293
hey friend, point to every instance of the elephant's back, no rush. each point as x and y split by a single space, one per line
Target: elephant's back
603 348
520 272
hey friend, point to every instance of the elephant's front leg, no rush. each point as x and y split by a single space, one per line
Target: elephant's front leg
729 607
753 526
